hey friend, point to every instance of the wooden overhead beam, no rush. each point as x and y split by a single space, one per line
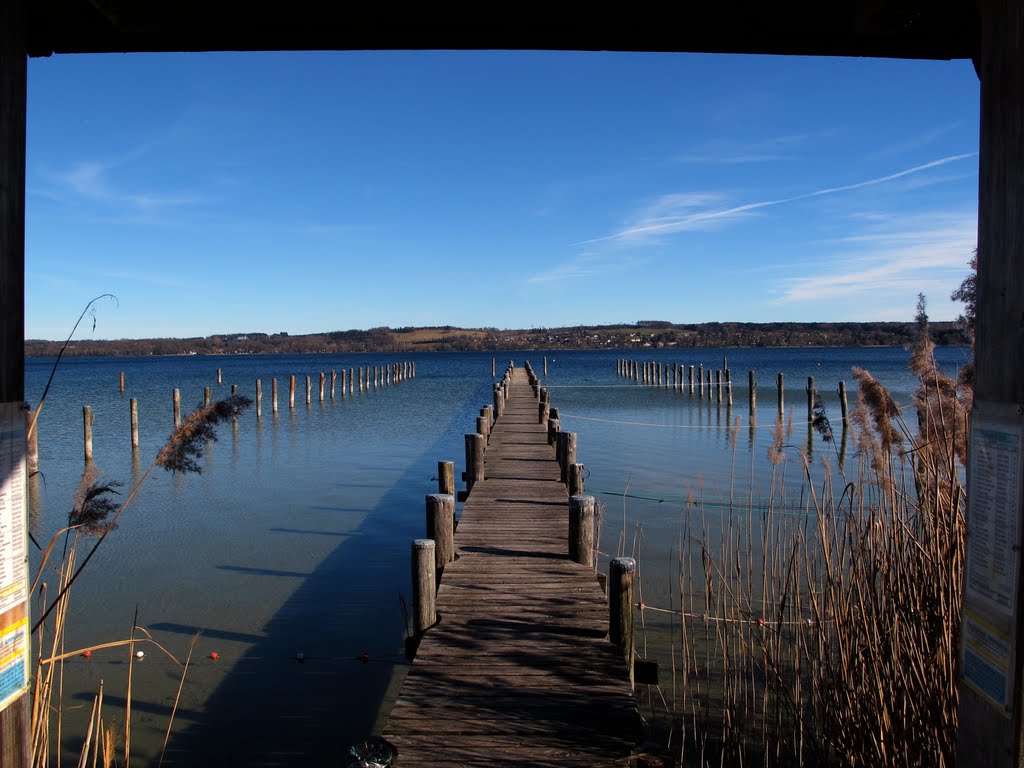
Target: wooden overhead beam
937 29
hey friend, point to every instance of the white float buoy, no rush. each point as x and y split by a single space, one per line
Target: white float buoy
140 654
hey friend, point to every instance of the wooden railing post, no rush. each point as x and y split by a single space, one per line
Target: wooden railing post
424 585
620 606
575 480
446 477
441 526
581 529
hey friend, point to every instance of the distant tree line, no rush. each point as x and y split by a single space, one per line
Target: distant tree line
644 334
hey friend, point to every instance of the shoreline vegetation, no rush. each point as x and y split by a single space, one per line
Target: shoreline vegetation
649 334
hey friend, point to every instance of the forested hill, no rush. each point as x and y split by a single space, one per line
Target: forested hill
644 334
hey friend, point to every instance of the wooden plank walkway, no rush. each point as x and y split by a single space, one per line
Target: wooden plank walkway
519 669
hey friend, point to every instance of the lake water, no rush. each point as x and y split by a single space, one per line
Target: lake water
295 538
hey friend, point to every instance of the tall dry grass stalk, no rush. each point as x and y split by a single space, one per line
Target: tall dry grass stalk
94 515
822 628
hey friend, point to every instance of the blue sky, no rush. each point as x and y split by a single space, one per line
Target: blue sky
304 192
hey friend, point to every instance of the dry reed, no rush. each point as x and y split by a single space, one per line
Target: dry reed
828 634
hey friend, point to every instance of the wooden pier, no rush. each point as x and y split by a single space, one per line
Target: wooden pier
519 669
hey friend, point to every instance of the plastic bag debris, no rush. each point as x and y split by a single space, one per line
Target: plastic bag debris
373 753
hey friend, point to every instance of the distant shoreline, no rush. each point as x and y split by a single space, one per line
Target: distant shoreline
638 337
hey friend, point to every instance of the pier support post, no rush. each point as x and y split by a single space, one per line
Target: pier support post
176 404
575 480
273 395
446 477
424 585
581 529
842 402
810 399
207 396
620 607
87 431
291 391
781 384
474 459
552 429
122 382
259 398
568 453
752 381
441 526
133 406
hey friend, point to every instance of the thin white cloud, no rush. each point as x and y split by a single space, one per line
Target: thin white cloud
929 254
683 218
90 181
584 265
143 277
723 152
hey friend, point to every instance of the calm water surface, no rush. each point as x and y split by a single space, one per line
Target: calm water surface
295 537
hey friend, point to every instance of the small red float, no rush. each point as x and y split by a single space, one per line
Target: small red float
214 655
87 654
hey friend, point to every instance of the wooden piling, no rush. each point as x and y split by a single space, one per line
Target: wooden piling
321 386
810 399
552 429
133 406
291 391
752 383
568 454
207 396
499 401
424 581
234 389
494 368
176 403
122 382
842 402
700 377
691 379
575 484
543 411
718 385
474 459
87 431
334 378
441 526
273 394
446 477
360 376
620 606
219 379
309 390
780 383
259 399
581 529
545 365
481 427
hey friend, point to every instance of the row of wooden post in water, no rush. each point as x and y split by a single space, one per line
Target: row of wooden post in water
431 554
352 380
716 384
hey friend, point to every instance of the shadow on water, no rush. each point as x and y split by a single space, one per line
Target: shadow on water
318 677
